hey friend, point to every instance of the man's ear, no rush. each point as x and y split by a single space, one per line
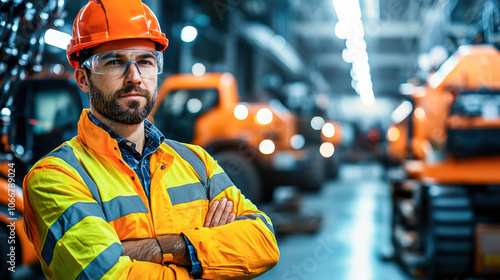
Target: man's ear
81 79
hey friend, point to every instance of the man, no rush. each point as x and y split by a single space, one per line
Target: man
120 202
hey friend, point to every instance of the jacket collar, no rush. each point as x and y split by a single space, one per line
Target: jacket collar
99 140
95 137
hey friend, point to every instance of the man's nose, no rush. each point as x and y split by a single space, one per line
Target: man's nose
132 73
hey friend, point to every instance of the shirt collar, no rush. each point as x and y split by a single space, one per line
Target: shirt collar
153 133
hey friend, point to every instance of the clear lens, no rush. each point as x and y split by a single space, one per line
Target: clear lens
117 63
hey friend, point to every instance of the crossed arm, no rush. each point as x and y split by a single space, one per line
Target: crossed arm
151 249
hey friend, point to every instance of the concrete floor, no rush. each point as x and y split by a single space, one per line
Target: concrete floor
354 235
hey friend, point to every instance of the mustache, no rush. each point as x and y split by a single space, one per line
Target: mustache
131 88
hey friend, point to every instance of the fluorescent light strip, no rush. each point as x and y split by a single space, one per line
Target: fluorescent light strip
350 27
57 38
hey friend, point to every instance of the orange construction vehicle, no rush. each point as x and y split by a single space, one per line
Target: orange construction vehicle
445 208
251 141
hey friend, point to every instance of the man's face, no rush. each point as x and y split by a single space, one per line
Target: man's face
126 99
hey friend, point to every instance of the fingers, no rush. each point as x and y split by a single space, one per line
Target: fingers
225 214
231 218
211 213
220 213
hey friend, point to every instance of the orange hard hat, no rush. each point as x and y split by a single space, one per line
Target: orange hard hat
102 21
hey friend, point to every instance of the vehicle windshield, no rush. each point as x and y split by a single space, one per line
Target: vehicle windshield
53 110
477 104
177 113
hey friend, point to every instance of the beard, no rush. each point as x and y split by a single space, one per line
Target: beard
130 114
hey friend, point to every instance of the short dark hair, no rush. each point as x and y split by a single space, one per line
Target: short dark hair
83 55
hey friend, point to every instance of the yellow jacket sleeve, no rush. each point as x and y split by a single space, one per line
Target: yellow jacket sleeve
70 234
242 249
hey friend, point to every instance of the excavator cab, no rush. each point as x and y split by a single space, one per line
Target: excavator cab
473 126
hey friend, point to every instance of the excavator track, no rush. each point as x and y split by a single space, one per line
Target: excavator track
450 234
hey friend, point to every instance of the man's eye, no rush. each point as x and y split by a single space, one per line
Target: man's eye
146 62
114 62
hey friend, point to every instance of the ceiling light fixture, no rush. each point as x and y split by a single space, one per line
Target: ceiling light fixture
350 28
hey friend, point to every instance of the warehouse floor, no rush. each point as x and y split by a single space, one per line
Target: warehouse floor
354 235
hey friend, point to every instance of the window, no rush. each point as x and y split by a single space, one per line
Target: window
53 110
179 110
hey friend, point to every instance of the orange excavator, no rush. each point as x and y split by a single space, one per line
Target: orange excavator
445 220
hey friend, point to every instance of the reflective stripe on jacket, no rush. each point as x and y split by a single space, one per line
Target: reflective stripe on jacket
81 200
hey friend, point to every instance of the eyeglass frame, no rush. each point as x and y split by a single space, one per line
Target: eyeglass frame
89 62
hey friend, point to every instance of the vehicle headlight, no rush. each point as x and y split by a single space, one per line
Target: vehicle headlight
240 112
264 116
328 130
327 149
393 134
267 147
420 113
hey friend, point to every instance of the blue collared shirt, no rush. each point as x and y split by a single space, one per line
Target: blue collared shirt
140 164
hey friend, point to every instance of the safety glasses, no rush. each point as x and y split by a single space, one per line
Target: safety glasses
117 62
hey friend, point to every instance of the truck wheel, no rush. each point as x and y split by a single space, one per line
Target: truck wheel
332 167
450 238
313 175
243 174
4 250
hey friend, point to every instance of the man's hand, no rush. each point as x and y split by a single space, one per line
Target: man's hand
220 213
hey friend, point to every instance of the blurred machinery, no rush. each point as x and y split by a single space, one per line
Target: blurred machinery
377 143
22 24
321 138
318 135
256 143
400 133
446 195
330 147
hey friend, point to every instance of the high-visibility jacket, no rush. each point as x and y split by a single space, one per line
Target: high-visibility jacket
81 200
